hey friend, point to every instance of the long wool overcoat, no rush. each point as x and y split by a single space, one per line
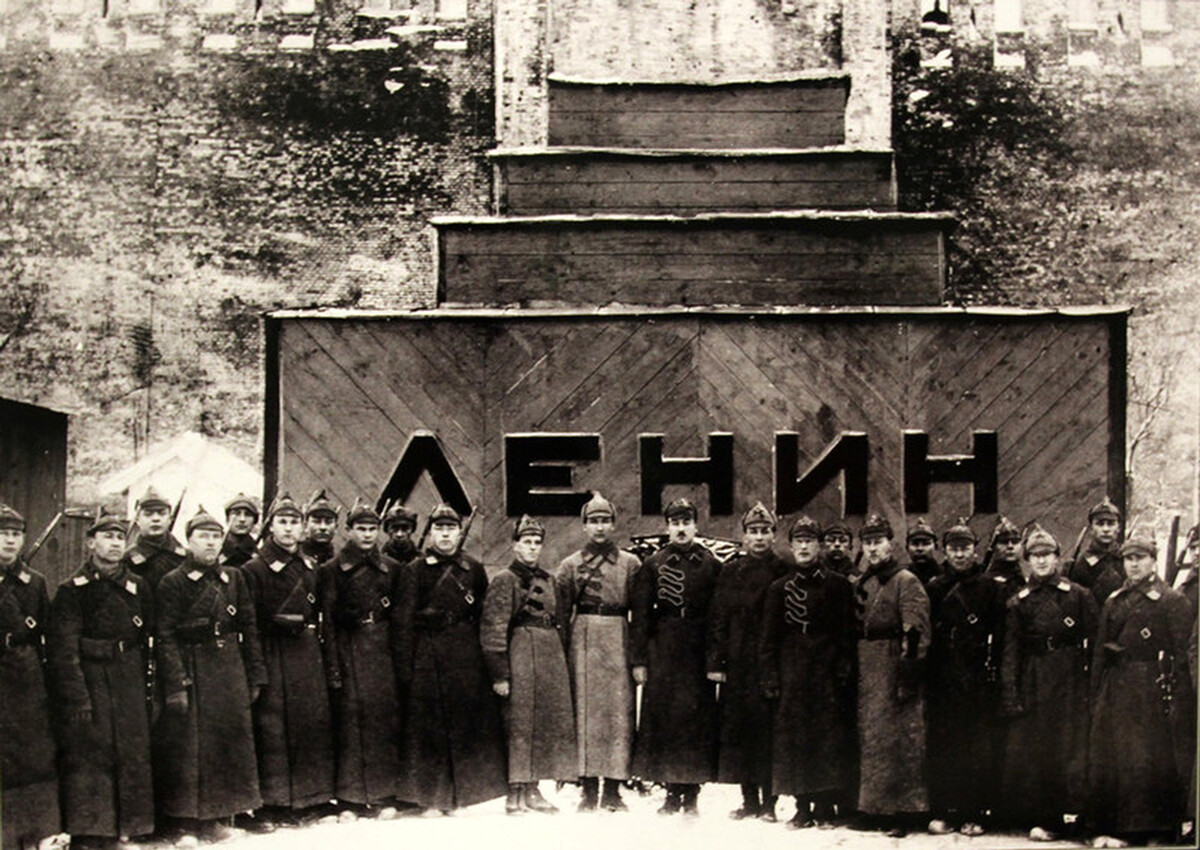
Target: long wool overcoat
154 557
355 593
1099 569
237 549
523 641
452 747
207 642
293 733
671 608
595 583
98 651
30 783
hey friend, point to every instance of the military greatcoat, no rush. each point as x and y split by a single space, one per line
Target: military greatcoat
1098 568
237 549
292 727
596 583
98 652
744 754
30 784
452 747
154 557
524 641
207 645
1143 717
671 620
355 594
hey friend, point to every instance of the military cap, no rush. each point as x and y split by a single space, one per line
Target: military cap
443 513
876 526
1139 544
1005 531
284 505
804 526
921 530
758 514
398 515
681 508
1106 508
153 499
838 526
203 519
1040 541
598 506
10 519
319 504
960 532
528 525
246 503
106 521
361 511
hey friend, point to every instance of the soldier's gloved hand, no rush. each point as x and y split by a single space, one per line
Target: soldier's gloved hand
716 677
501 688
639 675
177 702
78 716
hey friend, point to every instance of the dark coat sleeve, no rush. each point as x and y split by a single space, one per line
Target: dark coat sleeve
771 630
327 602
498 608
168 603
65 627
1010 658
247 623
641 602
717 641
403 611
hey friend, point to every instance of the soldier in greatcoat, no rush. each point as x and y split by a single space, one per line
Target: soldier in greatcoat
921 545
806 659
524 643
964 665
355 592
744 754
1004 558
1050 628
241 514
29 794
670 607
1098 566
99 651
292 727
399 524
893 614
320 523
837 545
155 552
1144 709
596 582
1187 580
452 747
211 665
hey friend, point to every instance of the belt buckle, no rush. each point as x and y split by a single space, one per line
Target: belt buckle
30 623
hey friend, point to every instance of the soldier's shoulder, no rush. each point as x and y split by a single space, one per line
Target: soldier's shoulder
624 557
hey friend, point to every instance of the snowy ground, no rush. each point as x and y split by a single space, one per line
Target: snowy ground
486 826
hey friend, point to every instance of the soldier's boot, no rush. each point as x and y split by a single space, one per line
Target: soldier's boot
803 818
591 791
611 798
767 812
515 803
536 802
690 793
750 807
673 802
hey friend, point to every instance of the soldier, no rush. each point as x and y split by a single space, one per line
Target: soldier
399 523
239 547
964 664
524 641
744 755
156 551
806 660
1098 567
1143 716
320 522
893 613
596 582
210 660
292 723
30 786
921 543
452 745
837 541
1004 558
99 650
1050 627
670 612
1187 580
355 591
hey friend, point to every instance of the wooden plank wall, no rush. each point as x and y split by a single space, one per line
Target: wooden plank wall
33 467
353 391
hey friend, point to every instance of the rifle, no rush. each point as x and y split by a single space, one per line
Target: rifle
462 540
1166 682
989 662
1079 542
175 510
44 536
424 532
1173 563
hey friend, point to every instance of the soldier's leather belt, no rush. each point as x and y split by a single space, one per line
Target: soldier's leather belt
290 629
883 634
15 639
209 632
668 612
537 621
602 610
1042 644
1129 656
106 649
435 621
354 621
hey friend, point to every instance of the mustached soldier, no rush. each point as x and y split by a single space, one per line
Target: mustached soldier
156 551
241 513
837 545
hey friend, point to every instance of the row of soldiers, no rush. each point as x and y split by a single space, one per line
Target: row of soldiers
230 675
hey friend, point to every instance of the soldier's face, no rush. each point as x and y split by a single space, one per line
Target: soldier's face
681 530
1043 563
11 544
805 549
364 534
154 521
920 548
836 542
444 537
285 530
205 545
1007 550
598 528
240 521
320 528
960 556
1194 552
1105 528
107 545
528 549
401 531
876 548
1138 566
758 537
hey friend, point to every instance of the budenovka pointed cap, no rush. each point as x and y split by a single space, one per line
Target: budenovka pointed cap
681 509
1040 541
105 520
960 532
1139 543
876 525
1106 508
759 514
320 505
442 512
203 519
10 518
1005 531
838 526
153 499
361 511
246 503
804 526
528 525
921 530
398 515
284 505
598 506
